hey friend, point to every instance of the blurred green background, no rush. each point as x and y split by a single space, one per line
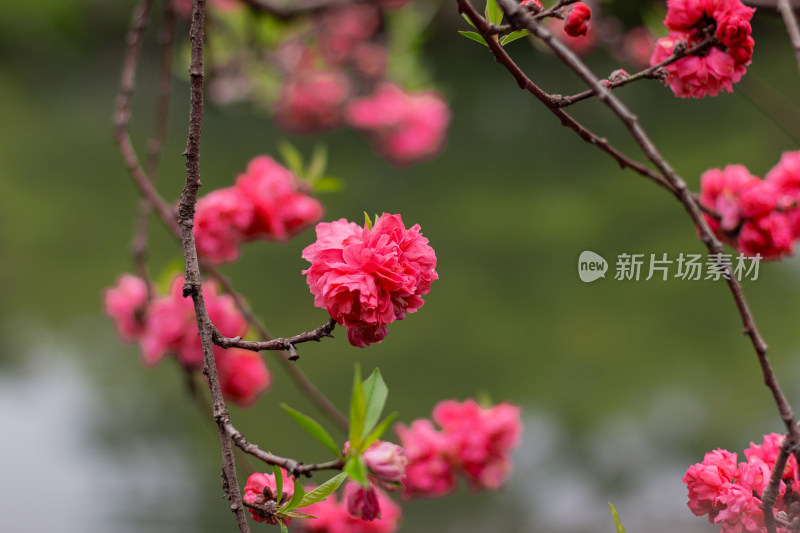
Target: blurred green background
622 384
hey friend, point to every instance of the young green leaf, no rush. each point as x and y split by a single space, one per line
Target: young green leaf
375 393
379 430
493 12
617 523
467 19
474 36
292 157
298 496
313 428
318 163
295 514
368 225
323 491
326 184
358 408
513 36
278 482
356 470
284 529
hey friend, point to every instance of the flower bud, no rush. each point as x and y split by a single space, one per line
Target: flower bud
576 20
362 502
386 460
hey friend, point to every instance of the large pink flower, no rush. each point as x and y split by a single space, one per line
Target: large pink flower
719 66
368 278
705 480
404 127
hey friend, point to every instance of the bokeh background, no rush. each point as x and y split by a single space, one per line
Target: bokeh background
622 384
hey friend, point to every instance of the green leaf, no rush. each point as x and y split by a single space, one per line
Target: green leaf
620 528
356 470
367 221
278 482
513 36
474 36
295 514
284 529
313 428
324 490
379 430
327 184
468 20
375 393
493 12
292 157
358 408
318 163
297 497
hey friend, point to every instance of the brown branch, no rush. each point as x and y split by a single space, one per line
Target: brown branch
648 73
193 285
552 101
154 145
292 466
770 494
300 379
773 4
792 28
277 344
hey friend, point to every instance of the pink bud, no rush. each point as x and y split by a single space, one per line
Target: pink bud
532 4
576 21
362 502
386 460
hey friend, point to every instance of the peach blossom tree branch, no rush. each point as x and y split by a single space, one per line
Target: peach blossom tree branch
521 20
792 28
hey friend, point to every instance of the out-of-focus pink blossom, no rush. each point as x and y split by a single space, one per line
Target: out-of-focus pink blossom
747 214
576 19
171 326
481 439
786 177
636 47
333 517
221 218
386 460
125 303
312 100
368 278
281 208
261 489
582 45
719 66
342 30
404 127
243 376
474 441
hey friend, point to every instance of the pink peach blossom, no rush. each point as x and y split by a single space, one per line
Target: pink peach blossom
429 472
262 489
332 517
386 461
312 100
125 303
243 375
221 218
368 278
576 19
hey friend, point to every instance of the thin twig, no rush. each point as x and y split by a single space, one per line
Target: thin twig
772 4
648 73
277 344
551 101
792 28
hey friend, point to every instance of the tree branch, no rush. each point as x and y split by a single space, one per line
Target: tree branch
773 4
792 28
277 344
193 285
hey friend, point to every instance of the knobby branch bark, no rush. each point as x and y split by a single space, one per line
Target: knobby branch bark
193 285
521 19
279 343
